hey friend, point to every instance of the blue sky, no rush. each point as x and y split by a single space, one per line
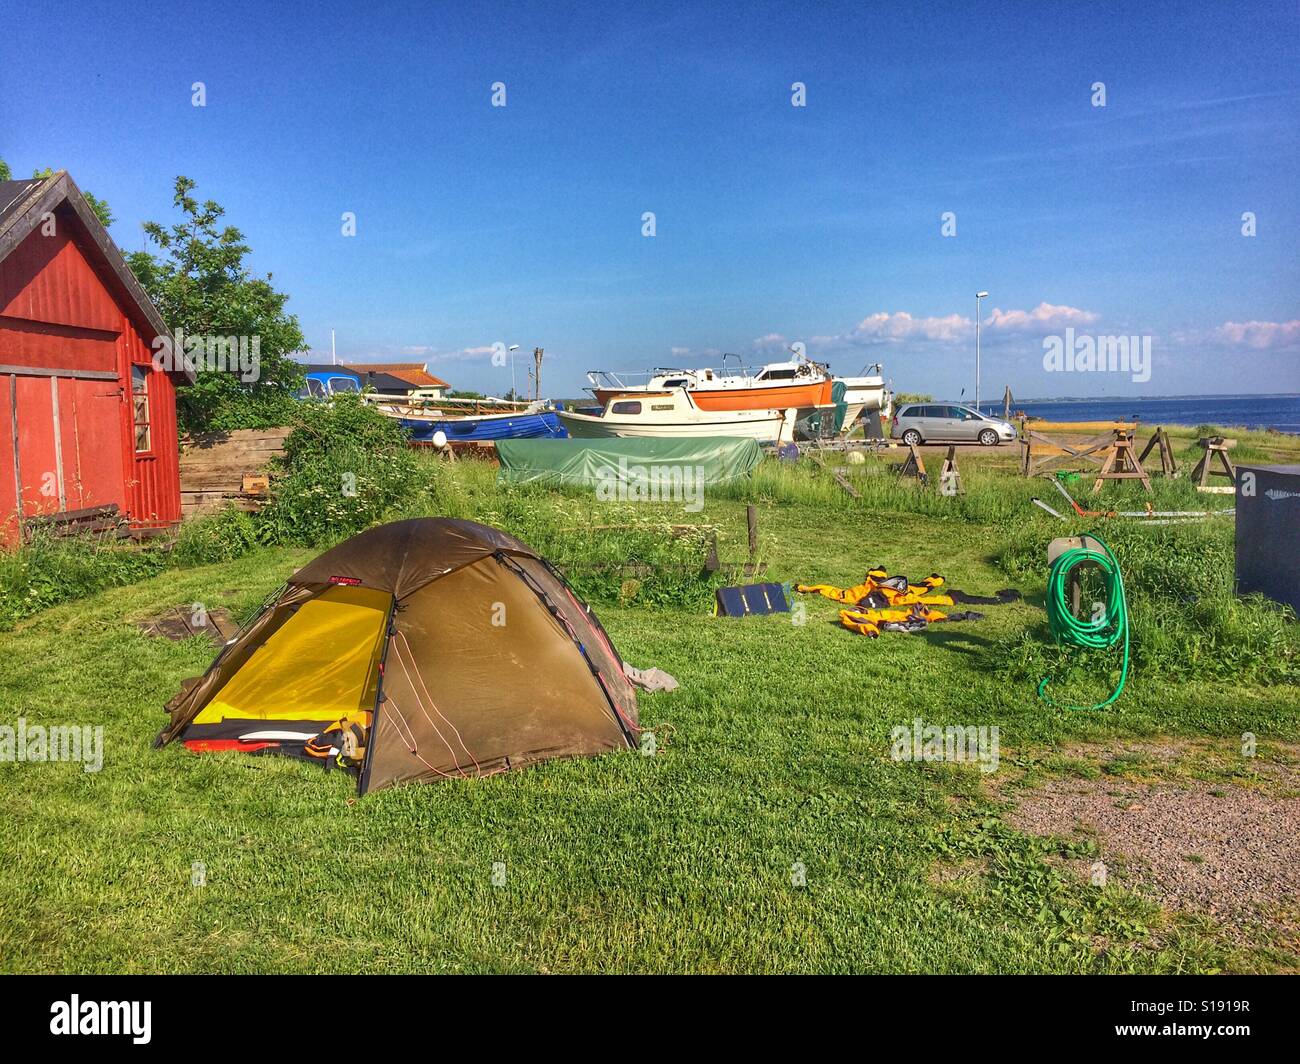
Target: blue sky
774 224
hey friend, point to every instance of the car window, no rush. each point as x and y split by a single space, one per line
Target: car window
912 411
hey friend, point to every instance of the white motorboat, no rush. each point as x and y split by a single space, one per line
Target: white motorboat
802 384
673 414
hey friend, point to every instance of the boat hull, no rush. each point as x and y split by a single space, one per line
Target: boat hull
861 395
764 429
803 395
485 428
865 393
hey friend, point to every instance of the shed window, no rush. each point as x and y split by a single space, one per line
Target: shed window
140 408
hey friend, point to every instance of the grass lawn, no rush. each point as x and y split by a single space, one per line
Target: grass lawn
773 755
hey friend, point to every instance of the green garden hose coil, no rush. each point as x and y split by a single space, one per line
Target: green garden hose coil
1099 633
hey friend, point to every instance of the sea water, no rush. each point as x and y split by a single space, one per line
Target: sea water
1281 412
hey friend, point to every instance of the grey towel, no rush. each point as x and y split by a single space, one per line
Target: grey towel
650 679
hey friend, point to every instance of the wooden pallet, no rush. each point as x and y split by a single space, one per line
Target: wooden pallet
180 623
96 520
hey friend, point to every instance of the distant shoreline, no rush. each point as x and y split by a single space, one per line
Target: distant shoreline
1154 398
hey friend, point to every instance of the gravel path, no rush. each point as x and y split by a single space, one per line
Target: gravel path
1229 852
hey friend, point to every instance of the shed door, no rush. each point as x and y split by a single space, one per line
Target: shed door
90 416
35 471
68 455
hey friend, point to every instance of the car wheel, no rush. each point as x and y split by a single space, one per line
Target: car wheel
989 438
911 437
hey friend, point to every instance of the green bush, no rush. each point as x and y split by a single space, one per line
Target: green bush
220 537
49 570
345 467
266 409
342 423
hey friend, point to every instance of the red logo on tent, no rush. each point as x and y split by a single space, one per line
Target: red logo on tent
350 581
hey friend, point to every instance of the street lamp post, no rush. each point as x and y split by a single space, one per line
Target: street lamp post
513 394
978 297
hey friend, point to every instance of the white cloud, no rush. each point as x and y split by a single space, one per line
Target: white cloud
463 355
900 325
772 343
1260 335
679 352
1045 316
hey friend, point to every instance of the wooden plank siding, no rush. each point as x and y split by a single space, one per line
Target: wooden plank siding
213 467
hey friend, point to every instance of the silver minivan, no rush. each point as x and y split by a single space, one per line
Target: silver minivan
949 423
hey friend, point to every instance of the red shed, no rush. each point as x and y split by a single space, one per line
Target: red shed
87 421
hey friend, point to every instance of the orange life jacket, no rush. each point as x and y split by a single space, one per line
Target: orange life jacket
884 591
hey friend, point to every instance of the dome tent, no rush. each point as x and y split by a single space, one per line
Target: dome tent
449 648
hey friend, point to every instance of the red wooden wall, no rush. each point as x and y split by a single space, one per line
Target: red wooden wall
74 426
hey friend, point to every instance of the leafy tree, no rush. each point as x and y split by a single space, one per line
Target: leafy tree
200 283
5 173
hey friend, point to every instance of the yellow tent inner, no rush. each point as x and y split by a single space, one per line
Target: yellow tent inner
320 665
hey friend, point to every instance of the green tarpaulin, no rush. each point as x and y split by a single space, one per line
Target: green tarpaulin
637 463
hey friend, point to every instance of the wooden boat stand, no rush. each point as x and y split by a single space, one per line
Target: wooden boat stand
950 475
914 465
1216 449
1122 463
1168 467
